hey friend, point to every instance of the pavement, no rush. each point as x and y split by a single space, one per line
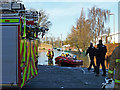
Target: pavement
65 77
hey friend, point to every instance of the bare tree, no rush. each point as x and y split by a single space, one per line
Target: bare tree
80 35
98 17
44 20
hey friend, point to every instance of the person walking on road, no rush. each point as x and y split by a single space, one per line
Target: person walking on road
49 57
100 57
115 65
91 51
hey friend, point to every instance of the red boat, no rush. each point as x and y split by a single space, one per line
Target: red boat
66 61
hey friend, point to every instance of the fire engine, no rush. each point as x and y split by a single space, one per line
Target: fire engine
19 30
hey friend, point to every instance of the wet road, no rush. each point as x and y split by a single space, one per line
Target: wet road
65 77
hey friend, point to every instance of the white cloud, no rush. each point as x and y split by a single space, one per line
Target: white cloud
70 0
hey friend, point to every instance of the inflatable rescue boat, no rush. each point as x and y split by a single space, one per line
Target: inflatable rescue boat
67 61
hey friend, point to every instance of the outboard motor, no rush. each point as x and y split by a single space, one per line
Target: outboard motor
74 57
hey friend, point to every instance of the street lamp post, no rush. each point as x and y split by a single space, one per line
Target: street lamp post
113 25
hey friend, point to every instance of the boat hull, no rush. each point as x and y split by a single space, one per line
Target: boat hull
65 61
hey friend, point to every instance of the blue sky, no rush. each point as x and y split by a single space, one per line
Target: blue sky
65 14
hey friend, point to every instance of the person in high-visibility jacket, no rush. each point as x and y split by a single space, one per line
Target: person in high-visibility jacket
63 54
67 54
52 55
115 65
49 55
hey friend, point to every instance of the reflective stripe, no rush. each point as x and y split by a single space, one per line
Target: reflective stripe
117 60
20 26
109 71
32 69
117 81
51 53
24 49
34 49
25 70
8 84
35 35
33 61
28 59
9 20
21 46
24 26
28 73
36 71
21 65
24 77
37 46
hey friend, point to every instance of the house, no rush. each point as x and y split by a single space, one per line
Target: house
68 48
113 37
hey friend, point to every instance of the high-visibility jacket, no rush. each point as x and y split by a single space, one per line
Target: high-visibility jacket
48 53
52 54
63 55
115 65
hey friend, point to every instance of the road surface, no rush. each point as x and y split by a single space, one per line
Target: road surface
65 77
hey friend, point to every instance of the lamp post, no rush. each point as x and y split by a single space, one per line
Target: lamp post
61 36
113 25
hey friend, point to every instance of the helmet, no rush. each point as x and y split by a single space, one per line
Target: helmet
91 44
48 49
67 53
51 49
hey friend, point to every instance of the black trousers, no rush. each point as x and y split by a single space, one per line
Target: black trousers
100 60
50 61
92 63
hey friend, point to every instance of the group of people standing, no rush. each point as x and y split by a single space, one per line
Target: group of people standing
100 53
50 55
114 64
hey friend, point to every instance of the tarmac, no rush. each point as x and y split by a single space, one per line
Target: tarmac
65 77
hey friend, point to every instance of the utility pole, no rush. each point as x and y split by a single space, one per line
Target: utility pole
58 42
113 25
61 39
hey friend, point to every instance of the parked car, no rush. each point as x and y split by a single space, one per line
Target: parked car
59 49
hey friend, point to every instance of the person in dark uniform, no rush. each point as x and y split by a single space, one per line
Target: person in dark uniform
100 57
91 51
